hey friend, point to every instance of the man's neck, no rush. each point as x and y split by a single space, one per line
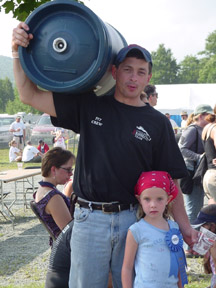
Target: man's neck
136 101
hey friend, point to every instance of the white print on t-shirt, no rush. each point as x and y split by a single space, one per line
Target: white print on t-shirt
140 133
97 121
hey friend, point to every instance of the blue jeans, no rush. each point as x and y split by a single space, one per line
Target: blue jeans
97 247
193 203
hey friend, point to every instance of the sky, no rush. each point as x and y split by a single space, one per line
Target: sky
181 25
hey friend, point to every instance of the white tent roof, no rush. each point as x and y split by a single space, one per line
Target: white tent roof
180 97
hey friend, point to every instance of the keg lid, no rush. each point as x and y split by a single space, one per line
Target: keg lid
68 49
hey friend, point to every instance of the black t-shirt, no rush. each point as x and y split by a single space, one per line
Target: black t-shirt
117 143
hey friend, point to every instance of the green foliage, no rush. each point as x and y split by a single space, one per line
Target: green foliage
6 93
189 70
207 73
210 47
22 8
165 67
13 106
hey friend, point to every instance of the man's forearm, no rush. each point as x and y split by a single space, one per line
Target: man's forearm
179 213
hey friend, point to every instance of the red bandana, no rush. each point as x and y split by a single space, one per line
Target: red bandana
159 179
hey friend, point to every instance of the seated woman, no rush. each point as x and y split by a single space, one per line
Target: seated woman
52 204
15 154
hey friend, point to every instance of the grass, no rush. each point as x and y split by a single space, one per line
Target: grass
6 165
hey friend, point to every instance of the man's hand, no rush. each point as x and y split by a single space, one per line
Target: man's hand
20 37
190 236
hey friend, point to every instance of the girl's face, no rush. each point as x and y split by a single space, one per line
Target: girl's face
153 201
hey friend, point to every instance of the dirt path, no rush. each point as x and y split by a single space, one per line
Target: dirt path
24 250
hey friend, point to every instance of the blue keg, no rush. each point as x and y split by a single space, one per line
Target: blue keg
72 49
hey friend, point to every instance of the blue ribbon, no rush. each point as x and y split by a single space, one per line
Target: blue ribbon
178 263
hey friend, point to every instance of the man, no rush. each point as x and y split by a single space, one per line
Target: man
173 123
42 147
184 116
152 95
31 154
120 136
18 129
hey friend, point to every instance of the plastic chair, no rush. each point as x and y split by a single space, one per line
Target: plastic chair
34 208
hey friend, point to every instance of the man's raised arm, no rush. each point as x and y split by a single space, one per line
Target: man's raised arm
29 93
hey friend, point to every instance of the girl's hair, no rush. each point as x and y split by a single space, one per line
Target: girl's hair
11 143
167 212
55 157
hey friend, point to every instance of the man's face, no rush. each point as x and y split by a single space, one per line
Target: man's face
184 117
153 99
18 119
131 77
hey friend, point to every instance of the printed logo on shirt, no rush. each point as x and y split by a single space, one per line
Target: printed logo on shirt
97 121
140 133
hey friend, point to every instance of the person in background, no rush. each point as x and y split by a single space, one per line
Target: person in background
144 97
59 140
52 204
209 140
18 130
173 123
107 168
68 188
149 243
152 95
31 154
184 116
42 147
207 219
192 148
15 155
190 119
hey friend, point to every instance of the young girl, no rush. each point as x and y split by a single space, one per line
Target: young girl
154 244
207 219
14 153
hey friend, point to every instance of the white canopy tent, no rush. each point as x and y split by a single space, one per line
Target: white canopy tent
174 98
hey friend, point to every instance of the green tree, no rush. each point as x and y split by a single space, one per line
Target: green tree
165 67
210 46
6 93
22 8
207 73
16 105
189 70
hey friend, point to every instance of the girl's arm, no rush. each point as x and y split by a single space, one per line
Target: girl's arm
128 262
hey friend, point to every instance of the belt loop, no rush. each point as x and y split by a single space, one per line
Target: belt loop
131 207
90 206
